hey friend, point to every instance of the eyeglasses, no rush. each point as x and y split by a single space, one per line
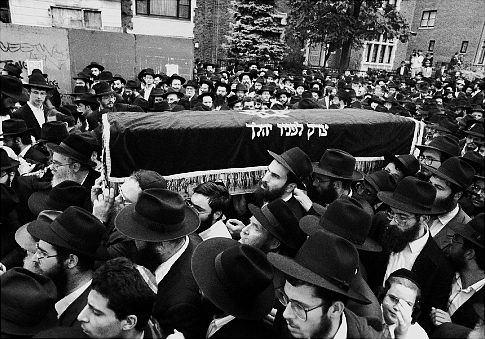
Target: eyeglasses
426 160
363 190
395 300
55 164
41 255
399 218
320 180
196 208
477 189
300 311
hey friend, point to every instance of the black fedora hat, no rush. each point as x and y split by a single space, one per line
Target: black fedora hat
27 302
338 164
444 143
53 132
407 163
75 229
455 170
265 88
156 92
83 76
412 195
13 70
236 278
222 84
347 219
78 90
472 231
476 130
332 269
476 160
6 162
381 181
278 219
171 90
131 84
59 198
146 71
119 77
37 80
282 91
76 147
11 86
241 87
192 83
102 88
158 215
176 76
106 76
296 161
14 127
22 236
87 98
94 64
245 73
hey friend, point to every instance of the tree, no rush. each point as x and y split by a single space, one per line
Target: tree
346 24
256 35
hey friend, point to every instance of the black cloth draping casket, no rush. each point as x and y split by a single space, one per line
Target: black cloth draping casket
180 142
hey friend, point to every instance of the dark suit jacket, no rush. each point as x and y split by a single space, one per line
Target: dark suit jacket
465 315
240 328
296 208
405 72
37 157
69 317
357 327
433 271
178 302
442 237
26 114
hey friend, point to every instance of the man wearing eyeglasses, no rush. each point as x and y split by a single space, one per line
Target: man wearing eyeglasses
408 244
435 153
317 289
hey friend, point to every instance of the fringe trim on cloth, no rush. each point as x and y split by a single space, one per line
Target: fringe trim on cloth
418 136
240 180
105 154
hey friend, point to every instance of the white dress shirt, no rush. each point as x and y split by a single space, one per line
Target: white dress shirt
439 223
460 295
65 302
38 113
415 331
219 229
164 267
24 151
217 324
407 257
342 329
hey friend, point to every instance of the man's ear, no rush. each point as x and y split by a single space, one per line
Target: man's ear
470 254
457 195
217 216
337 184
76 166
290 187
274 244
336 310
129 322
425 219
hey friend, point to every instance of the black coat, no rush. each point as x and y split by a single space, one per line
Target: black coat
69 317
178 302
26 114
433 271
241 328
465 315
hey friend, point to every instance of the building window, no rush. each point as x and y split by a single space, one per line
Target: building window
431 46
76 18
481 58
464 47
4 11
379 51
179 9
428 18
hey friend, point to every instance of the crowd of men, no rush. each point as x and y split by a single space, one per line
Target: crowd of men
318 250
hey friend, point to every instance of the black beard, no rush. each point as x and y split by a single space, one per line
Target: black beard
117 90
446 204
423 176
322 197
395 240
204 225
148 257
59 278
265 195
457 262
16 148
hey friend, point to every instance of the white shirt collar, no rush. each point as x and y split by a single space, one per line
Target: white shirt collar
475 287
342 330
217 324
218 229
64 303
24 151
38 113
417 245
446 218
164 267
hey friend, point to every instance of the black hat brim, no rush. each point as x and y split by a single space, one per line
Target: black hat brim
131 224
59 149
292 268
388 198
204 272
356 175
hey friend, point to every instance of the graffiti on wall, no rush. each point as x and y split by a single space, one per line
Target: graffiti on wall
53 56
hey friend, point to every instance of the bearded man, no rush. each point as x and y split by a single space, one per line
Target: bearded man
408 244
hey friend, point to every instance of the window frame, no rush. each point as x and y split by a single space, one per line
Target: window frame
431 45
428 13
464 46
148 14
82 10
